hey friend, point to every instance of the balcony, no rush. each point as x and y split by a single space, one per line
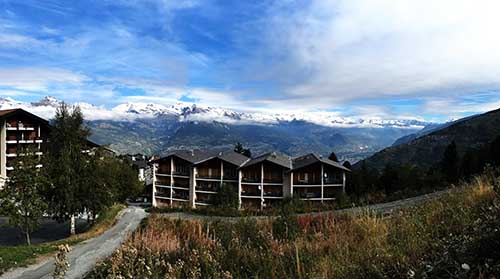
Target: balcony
308 195
180 195
208 187
273 194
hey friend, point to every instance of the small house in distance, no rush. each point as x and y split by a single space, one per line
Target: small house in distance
193 178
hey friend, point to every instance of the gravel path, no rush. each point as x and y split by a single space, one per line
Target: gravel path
85 255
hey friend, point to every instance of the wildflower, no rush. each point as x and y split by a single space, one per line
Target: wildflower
465 267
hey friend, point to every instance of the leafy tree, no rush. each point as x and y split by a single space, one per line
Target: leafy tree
108 180
449 163
66 164
240 149
22 198
333 157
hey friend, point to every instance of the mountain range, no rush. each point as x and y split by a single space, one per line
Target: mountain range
154 129
425 148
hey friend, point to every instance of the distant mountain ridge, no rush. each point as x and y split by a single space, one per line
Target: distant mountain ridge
193 112
427 150
155 129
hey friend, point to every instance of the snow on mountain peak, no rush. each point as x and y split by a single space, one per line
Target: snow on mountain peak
192 112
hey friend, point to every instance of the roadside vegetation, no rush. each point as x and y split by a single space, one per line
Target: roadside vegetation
456 236
23 255
71 178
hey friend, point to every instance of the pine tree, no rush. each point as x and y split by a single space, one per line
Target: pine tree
22 198
238 147
449 163
66 164
495 151
333 157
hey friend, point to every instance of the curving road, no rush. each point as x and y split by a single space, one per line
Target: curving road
85 255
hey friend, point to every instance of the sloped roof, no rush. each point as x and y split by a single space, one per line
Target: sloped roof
312 158
8 112
191 156
233 157
273 157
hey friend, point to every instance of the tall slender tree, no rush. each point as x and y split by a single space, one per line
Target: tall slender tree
238 147
22 198
65 163
449 163
333 157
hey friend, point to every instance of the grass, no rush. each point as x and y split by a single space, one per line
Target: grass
455 236
23 255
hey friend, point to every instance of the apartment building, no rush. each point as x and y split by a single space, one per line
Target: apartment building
19 129
194 177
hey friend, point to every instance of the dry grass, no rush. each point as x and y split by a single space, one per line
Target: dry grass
434 240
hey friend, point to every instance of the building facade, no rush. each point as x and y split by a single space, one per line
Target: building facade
19 130
194 177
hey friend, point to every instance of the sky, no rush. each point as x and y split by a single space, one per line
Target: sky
432 60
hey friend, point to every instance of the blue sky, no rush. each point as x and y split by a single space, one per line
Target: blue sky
382 58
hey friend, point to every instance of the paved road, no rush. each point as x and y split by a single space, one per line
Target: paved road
85 255
381 208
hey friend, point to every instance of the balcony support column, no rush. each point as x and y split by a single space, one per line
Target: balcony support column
171 178
221 174
154 185
322 183
261 186
239 189
3 153
192 187
343 181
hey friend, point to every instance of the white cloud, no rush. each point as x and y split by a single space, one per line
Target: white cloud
38 79
355 49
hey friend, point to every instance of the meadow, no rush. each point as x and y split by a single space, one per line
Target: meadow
457 236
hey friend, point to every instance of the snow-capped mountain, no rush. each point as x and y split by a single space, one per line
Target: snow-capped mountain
192 112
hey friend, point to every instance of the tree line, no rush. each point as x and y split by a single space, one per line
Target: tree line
70 179
407 179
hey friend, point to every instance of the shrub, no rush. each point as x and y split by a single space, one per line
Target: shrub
227 197
286 225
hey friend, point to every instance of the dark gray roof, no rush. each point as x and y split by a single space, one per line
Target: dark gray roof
9 112
199 156
273 157
312 158
233 157
192 156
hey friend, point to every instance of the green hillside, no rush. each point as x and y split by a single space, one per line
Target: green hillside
426 151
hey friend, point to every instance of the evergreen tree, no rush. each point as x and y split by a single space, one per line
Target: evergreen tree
495 151
348 184
227 197
389 179
449 163
470 163
22 198
66 163
333 157
347 165
238 147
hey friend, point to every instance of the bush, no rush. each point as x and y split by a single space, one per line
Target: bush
453 237
286 225
227 197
